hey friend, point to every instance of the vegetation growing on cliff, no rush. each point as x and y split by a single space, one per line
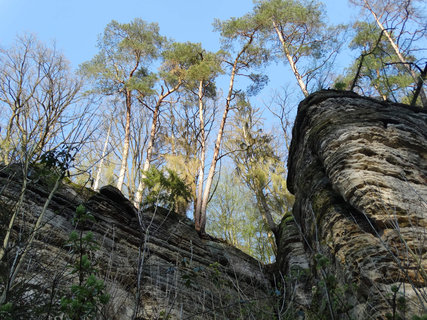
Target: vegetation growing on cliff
156 105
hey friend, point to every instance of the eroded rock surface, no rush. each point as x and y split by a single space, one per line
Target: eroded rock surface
154 257
358 170
356 247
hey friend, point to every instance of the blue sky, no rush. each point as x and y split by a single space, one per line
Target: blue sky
74 25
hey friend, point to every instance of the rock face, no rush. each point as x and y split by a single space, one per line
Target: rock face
154 265
355 248
358 243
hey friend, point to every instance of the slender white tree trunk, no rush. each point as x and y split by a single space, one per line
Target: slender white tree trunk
201 174
291 61
201 218
398 53
200 221
101 162
126 143
149 155
147 163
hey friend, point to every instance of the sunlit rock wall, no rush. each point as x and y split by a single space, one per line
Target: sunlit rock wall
358 170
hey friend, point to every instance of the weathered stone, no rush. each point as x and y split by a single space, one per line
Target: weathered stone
358 169
154 257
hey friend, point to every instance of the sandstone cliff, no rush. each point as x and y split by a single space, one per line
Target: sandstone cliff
357 246
154 264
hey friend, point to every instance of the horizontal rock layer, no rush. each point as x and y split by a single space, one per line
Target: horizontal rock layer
358 169
154 264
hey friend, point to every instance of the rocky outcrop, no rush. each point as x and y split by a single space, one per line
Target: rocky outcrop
354 248
358 240
154 264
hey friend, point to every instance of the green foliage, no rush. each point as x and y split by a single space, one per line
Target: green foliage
259 164
240 35
259 81
166 189
86 296
163 315
190 63
292 15
207 67
329 295
85 299
6 311
126 51
321 261
235 28
378 74
178 59
82 215
403 47
59 159
297 32
234 217
53 166
185 163
398 304
340 85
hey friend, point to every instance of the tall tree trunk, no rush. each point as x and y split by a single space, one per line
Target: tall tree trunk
200 222
101 162
265 210
291 61
147 163
126 143
149 155
201 175
398 53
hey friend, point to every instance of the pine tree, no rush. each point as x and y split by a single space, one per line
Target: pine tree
121 67
238 38
304 39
